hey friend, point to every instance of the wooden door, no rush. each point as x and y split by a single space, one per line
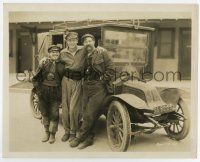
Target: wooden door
24 53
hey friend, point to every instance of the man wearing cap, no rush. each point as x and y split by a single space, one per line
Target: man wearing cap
47 85
99 73
74 57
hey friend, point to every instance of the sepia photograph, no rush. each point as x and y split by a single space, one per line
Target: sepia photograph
100 80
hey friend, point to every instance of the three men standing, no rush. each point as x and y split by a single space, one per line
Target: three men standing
89 69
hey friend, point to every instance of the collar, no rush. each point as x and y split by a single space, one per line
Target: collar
91 54
56 61
67 49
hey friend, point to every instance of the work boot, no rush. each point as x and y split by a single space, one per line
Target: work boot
46 136
88 142
75 142
52 138
71 137
65 137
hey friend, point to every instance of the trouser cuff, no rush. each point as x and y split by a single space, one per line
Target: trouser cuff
67 130
53 127
46 128
45 121
72 132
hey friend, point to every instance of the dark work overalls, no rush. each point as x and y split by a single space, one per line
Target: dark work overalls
95 88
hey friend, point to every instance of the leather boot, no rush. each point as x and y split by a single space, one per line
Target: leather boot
71 137
88 142
52 138
46 136
75 142
65 137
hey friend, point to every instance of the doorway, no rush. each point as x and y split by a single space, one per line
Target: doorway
24 52
185 54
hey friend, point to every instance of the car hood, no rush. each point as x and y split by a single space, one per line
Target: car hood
152 96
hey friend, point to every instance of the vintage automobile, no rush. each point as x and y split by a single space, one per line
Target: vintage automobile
136 106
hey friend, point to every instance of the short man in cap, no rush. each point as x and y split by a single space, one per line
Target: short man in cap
99 74
74 57
47 85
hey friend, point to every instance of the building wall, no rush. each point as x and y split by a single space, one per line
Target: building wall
169 64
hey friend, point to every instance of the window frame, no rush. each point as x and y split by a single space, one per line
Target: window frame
172 55
11 43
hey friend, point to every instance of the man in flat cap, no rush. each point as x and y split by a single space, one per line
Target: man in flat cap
99 74
74 57
47 85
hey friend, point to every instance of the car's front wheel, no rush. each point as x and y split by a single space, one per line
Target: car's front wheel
118 126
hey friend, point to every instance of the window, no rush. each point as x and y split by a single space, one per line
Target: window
166 39
127 46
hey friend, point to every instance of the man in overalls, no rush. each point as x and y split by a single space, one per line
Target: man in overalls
99 73
47 85
74 58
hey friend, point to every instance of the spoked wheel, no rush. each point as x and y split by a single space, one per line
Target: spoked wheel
34 100
118 126
179 128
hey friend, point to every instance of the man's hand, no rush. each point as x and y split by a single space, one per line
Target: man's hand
42 61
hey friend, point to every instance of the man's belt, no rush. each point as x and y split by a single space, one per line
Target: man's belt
93 78
74 75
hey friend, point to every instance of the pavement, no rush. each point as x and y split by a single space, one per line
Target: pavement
25 133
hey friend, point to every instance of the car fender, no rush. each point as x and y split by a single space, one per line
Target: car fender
172 95
129 99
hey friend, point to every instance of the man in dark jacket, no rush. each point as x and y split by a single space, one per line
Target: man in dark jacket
99 73
47 85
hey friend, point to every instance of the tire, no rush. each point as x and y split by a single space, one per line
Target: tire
34 105
118 131
176 130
